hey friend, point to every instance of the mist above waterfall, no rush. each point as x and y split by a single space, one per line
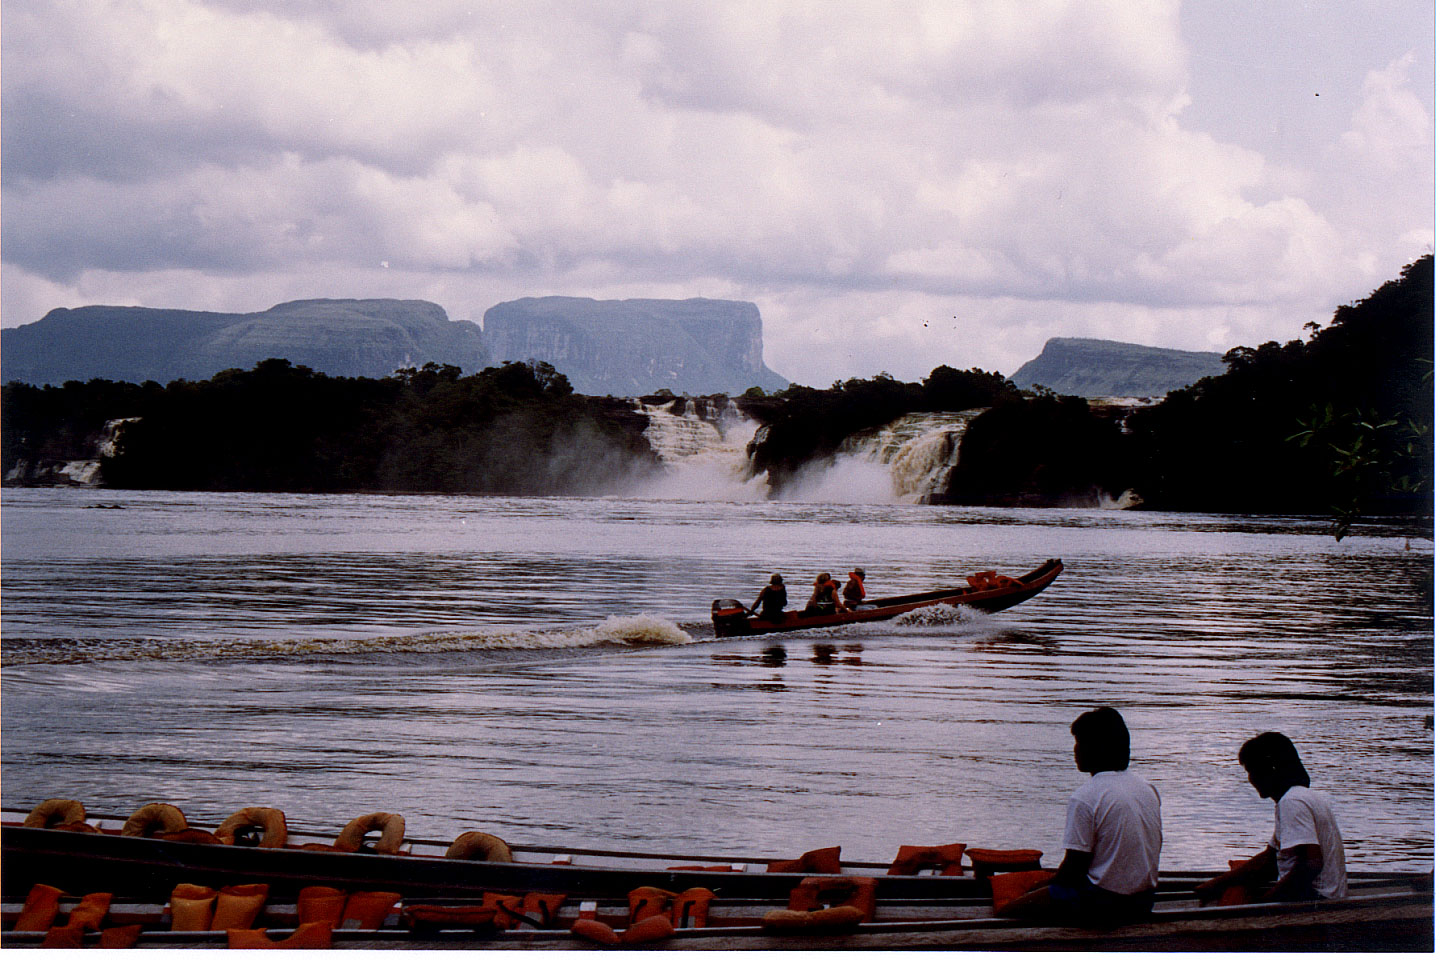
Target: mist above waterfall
905 461
702 445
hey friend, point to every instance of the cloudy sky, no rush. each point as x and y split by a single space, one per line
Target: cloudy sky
897 184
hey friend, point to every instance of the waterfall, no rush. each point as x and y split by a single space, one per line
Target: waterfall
905 461
701 443
81 473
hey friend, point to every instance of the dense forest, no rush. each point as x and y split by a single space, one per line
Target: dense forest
1341 423
517 428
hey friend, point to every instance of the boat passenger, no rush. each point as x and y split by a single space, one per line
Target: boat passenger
1305 858
772 599
825 597
854 591
1112 835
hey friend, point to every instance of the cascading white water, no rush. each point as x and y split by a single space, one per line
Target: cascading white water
702 450
905 461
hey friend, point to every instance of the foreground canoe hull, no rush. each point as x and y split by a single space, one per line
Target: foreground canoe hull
1384 912
1382 917
1005 593
81 863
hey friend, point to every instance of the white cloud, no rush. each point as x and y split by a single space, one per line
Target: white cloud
866 171
1391 127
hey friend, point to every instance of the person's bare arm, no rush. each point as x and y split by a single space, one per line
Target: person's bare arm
1259 867
1299 883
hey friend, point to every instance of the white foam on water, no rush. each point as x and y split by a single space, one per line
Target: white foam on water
641 628
635 630
941 615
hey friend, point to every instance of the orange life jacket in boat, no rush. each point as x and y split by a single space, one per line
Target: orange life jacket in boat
826 594
854 591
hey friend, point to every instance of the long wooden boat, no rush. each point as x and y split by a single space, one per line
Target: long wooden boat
986 591
1383 914
81 862
1385 911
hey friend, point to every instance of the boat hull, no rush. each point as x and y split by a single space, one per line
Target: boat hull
730 620
1384 912
81 863
1398 917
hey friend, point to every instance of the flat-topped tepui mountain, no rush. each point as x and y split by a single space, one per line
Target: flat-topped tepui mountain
617 347
1082 367
633 347
352 338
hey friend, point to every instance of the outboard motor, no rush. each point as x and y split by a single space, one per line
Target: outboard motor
729 617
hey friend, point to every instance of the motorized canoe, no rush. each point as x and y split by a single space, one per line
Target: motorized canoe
1393 913
986 591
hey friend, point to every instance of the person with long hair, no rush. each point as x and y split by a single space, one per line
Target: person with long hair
1305 858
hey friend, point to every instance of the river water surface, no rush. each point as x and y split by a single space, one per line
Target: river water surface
544 669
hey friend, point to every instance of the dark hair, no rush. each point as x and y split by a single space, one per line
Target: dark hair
1103 737
1276 753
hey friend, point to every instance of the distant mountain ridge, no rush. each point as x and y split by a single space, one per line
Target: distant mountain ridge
616 347
634 347
353 338
1083 367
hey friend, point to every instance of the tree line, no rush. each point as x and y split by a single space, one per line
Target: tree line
1341 423
514 429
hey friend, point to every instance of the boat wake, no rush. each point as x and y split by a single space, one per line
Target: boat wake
943 616
640 630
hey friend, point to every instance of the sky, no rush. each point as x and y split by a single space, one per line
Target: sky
896 184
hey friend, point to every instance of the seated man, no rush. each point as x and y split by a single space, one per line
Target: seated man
1305 858
772 599
854 592
1112 835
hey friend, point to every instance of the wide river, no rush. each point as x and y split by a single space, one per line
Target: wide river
544 669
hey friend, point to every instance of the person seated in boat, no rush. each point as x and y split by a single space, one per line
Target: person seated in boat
854 590
1305 857
825 598
772 599
1112 835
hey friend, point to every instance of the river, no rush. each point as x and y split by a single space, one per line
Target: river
543 669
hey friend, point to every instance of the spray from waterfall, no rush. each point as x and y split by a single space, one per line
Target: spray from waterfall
701 444
905 461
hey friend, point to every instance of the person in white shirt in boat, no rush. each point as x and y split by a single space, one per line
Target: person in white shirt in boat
854 589
772 599
1112 835
825 598
1305 858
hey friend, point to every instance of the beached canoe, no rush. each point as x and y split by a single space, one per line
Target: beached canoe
1381 914
986 591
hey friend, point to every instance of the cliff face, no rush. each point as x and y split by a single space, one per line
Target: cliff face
1079 367
353 338
632 347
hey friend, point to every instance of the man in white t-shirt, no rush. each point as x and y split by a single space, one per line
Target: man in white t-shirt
1305 858
1112 835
